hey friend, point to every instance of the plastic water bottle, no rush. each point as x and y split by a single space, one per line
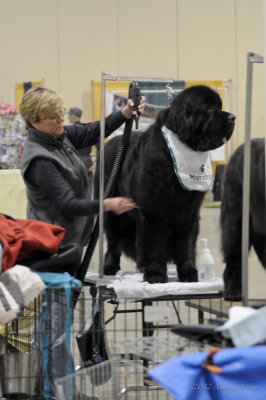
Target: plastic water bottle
205 263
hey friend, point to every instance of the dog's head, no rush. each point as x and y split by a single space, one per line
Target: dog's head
196 116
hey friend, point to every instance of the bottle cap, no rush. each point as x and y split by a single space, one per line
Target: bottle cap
204 243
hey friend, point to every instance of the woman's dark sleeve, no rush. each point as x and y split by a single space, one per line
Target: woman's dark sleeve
82 135
46 176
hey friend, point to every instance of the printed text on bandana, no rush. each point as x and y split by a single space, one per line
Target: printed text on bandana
192 168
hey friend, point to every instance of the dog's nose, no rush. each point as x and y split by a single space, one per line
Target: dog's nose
231 117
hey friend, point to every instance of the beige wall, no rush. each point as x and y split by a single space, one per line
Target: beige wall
69 43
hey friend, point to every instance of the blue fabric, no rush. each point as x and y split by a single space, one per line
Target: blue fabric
66 281
243 375
56 279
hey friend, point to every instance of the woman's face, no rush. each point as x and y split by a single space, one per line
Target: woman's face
52 124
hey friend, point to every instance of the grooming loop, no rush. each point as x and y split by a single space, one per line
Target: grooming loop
208 364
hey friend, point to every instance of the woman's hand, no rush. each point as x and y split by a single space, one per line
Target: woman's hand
119 205
128 109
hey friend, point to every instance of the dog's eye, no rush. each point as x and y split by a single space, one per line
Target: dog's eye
210 109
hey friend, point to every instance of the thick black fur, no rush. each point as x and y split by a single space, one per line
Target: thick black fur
231 215
165 226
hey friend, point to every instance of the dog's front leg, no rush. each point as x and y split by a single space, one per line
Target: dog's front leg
151 250
185 256
231 235
186 271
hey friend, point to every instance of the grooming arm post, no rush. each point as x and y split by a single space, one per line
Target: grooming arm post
251 58
105 76
109 77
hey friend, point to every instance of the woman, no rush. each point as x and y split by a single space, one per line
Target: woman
57 186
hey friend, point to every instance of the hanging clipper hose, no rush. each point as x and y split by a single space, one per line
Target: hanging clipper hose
134 94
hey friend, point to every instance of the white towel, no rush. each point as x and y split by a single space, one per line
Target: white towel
8 305
18 287
246 326
129 286
24 284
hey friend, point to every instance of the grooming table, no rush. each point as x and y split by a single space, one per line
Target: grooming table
128 287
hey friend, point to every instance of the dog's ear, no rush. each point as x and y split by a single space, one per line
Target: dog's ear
180 118
188 115
162 116
187 108
193 117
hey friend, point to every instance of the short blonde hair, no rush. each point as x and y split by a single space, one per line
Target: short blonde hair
38 103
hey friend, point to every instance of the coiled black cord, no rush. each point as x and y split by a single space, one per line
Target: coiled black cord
110 187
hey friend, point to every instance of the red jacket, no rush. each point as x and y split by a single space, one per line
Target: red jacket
22 239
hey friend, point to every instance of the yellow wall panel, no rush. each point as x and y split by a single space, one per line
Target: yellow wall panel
112 86
19 91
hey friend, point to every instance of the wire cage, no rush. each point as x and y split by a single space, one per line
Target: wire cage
38 346
41 346
125 375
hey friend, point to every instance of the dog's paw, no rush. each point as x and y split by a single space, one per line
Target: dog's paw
155 273
232 292
155 277
110 269
232 277
187 272
232 297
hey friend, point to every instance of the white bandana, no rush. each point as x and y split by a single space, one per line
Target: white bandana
193 168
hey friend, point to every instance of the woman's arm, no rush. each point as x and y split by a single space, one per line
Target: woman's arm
88 134
44 174
82 135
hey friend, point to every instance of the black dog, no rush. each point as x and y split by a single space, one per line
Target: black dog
165 225
231 215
